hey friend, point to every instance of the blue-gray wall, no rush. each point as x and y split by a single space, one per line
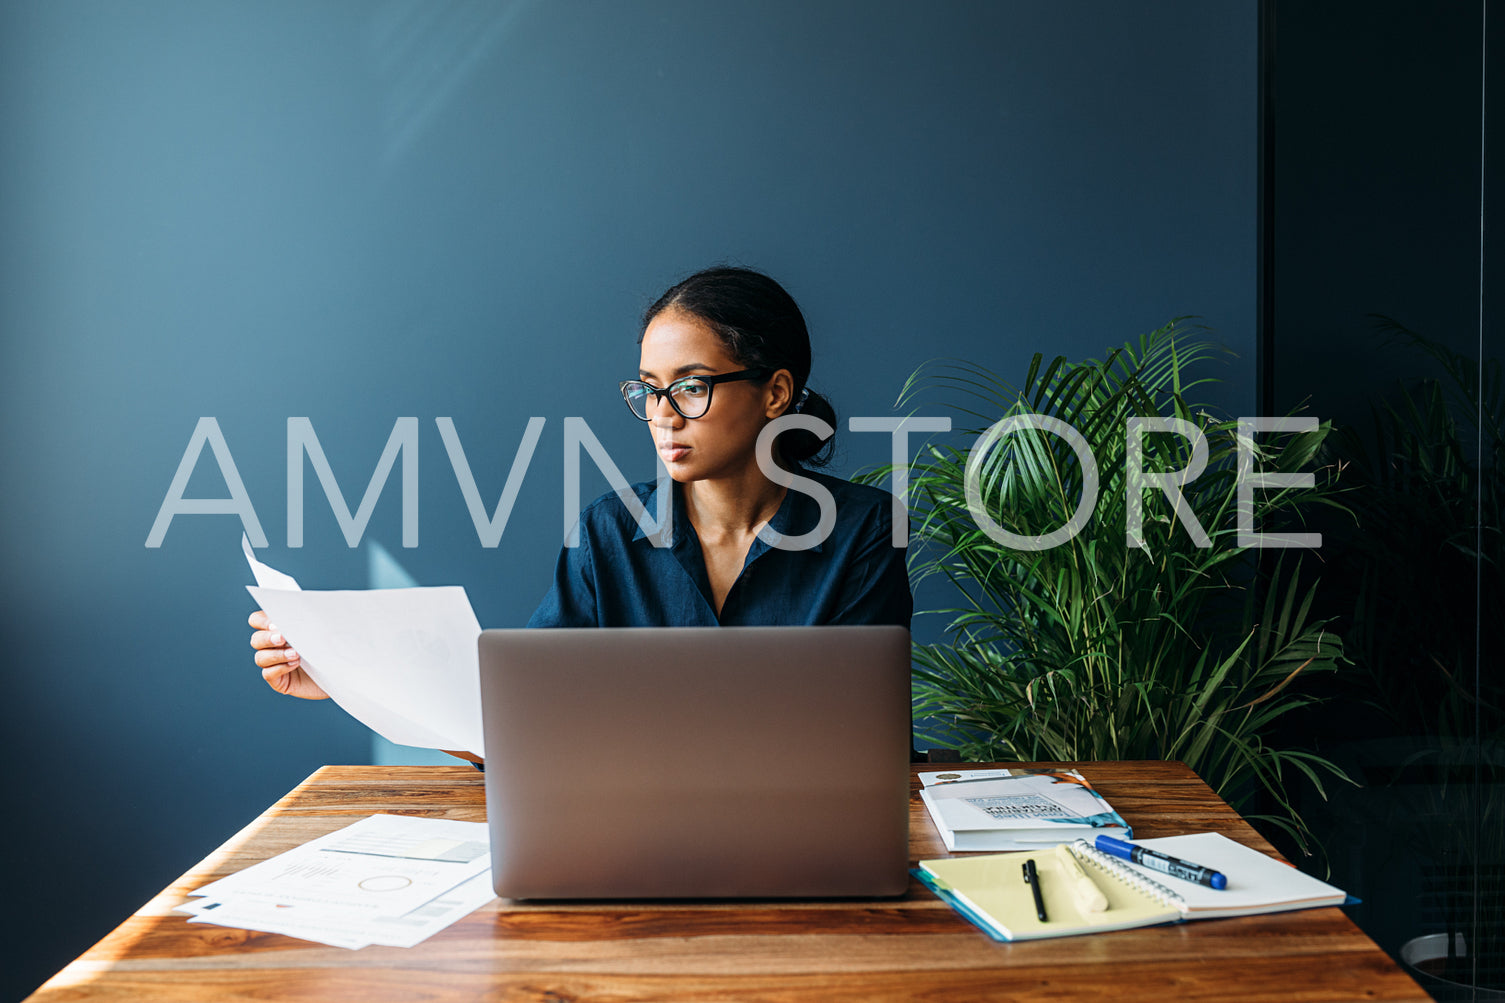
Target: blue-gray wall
356 211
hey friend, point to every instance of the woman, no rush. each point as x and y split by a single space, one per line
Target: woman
723 353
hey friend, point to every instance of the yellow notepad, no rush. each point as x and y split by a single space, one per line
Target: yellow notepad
990 890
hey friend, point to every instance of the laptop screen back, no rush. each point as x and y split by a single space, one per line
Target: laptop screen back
697 762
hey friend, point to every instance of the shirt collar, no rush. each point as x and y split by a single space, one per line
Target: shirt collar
797 513
674 535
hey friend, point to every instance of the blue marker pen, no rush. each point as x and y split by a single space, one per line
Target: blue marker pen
1164 863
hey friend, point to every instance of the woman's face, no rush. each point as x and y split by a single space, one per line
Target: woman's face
721 442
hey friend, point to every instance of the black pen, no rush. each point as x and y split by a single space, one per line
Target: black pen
1032 878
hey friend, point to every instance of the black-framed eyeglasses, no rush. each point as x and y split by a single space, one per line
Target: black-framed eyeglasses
691 396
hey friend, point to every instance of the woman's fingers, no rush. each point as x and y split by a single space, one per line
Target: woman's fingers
280 665
289 679
267 639
273 672
268 658
282 678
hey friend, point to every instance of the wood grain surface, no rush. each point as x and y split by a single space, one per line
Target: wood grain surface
913 948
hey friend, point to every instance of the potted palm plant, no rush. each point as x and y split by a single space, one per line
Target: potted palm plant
1106 646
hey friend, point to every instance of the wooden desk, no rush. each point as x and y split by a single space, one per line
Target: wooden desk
859 951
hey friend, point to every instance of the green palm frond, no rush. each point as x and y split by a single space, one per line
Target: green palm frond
1095 648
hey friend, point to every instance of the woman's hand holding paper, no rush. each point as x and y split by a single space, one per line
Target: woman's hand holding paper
281 666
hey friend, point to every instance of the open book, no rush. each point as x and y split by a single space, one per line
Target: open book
990 891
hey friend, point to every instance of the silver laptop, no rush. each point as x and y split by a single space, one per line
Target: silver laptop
697 762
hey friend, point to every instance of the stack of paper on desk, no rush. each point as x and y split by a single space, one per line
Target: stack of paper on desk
1016 809
401 661
388 879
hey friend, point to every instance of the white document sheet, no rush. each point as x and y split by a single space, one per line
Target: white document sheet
361 870
267 576
334 930
401 661
387 879
341 930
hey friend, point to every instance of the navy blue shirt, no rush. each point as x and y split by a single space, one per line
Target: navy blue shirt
616 577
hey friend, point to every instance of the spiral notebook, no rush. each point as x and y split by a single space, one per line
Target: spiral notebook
990 891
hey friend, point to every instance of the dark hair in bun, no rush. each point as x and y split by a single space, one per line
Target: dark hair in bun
761 327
